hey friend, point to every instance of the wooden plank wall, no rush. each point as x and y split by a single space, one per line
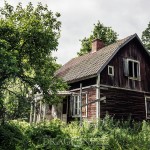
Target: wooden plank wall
132 50
123 103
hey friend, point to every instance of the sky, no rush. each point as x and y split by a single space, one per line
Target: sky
78 17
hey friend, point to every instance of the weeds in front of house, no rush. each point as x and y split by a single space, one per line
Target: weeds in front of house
105 134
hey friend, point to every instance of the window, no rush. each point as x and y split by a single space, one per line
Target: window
132 69
147 107
111 70
75 105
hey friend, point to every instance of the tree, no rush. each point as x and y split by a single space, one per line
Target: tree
106 34
146 37
28 36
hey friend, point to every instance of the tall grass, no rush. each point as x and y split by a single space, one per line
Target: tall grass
106 134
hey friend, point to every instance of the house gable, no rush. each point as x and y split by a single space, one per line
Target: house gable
88 65
135 51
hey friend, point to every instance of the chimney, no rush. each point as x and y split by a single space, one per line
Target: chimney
97 44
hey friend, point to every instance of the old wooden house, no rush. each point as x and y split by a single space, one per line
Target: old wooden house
112 79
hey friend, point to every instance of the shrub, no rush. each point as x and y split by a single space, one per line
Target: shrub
49 135
11 137
105 134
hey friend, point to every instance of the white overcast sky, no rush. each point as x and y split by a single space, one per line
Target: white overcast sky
126 17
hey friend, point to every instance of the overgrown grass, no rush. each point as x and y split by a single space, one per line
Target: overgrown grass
107 134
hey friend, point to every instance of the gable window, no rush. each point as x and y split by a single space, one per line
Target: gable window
132 69
111 70
147 107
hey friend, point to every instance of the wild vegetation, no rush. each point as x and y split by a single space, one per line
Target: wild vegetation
28 36
106 134
146 37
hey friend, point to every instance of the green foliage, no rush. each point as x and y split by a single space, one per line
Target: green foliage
15 102
28 36
12 137
106 134
49 135
106 34
146 37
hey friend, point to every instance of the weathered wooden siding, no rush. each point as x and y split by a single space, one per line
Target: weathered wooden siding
132 50
87 82
123 103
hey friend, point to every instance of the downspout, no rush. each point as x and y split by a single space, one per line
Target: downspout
98 97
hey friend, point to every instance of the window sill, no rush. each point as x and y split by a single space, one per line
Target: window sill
112 75
148 118
77 116
132 78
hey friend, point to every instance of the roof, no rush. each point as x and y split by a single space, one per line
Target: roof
90 64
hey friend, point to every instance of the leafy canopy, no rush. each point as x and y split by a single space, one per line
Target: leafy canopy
28 36
106 34
146 37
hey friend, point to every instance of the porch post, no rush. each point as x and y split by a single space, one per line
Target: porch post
40 113
31 112
35 115
98 97
80 103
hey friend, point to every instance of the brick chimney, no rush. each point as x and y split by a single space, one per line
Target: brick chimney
97 44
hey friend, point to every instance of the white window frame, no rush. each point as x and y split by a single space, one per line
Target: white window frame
138 71
74 114
86 107
147 117
111 74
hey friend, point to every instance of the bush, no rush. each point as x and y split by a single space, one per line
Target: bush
11 137
49 135
106 134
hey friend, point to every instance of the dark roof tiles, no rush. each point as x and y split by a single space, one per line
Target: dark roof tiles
88 64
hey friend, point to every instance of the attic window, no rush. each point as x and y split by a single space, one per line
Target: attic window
111 70
147 105
132 69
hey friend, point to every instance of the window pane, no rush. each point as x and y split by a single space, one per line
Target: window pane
130 69
76 105
75 111
135 70
110 70
148 107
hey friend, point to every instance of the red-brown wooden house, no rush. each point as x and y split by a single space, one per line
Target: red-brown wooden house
121 70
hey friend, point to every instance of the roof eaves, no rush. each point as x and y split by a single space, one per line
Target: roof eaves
83 78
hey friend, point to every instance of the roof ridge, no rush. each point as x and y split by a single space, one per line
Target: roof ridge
99 49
